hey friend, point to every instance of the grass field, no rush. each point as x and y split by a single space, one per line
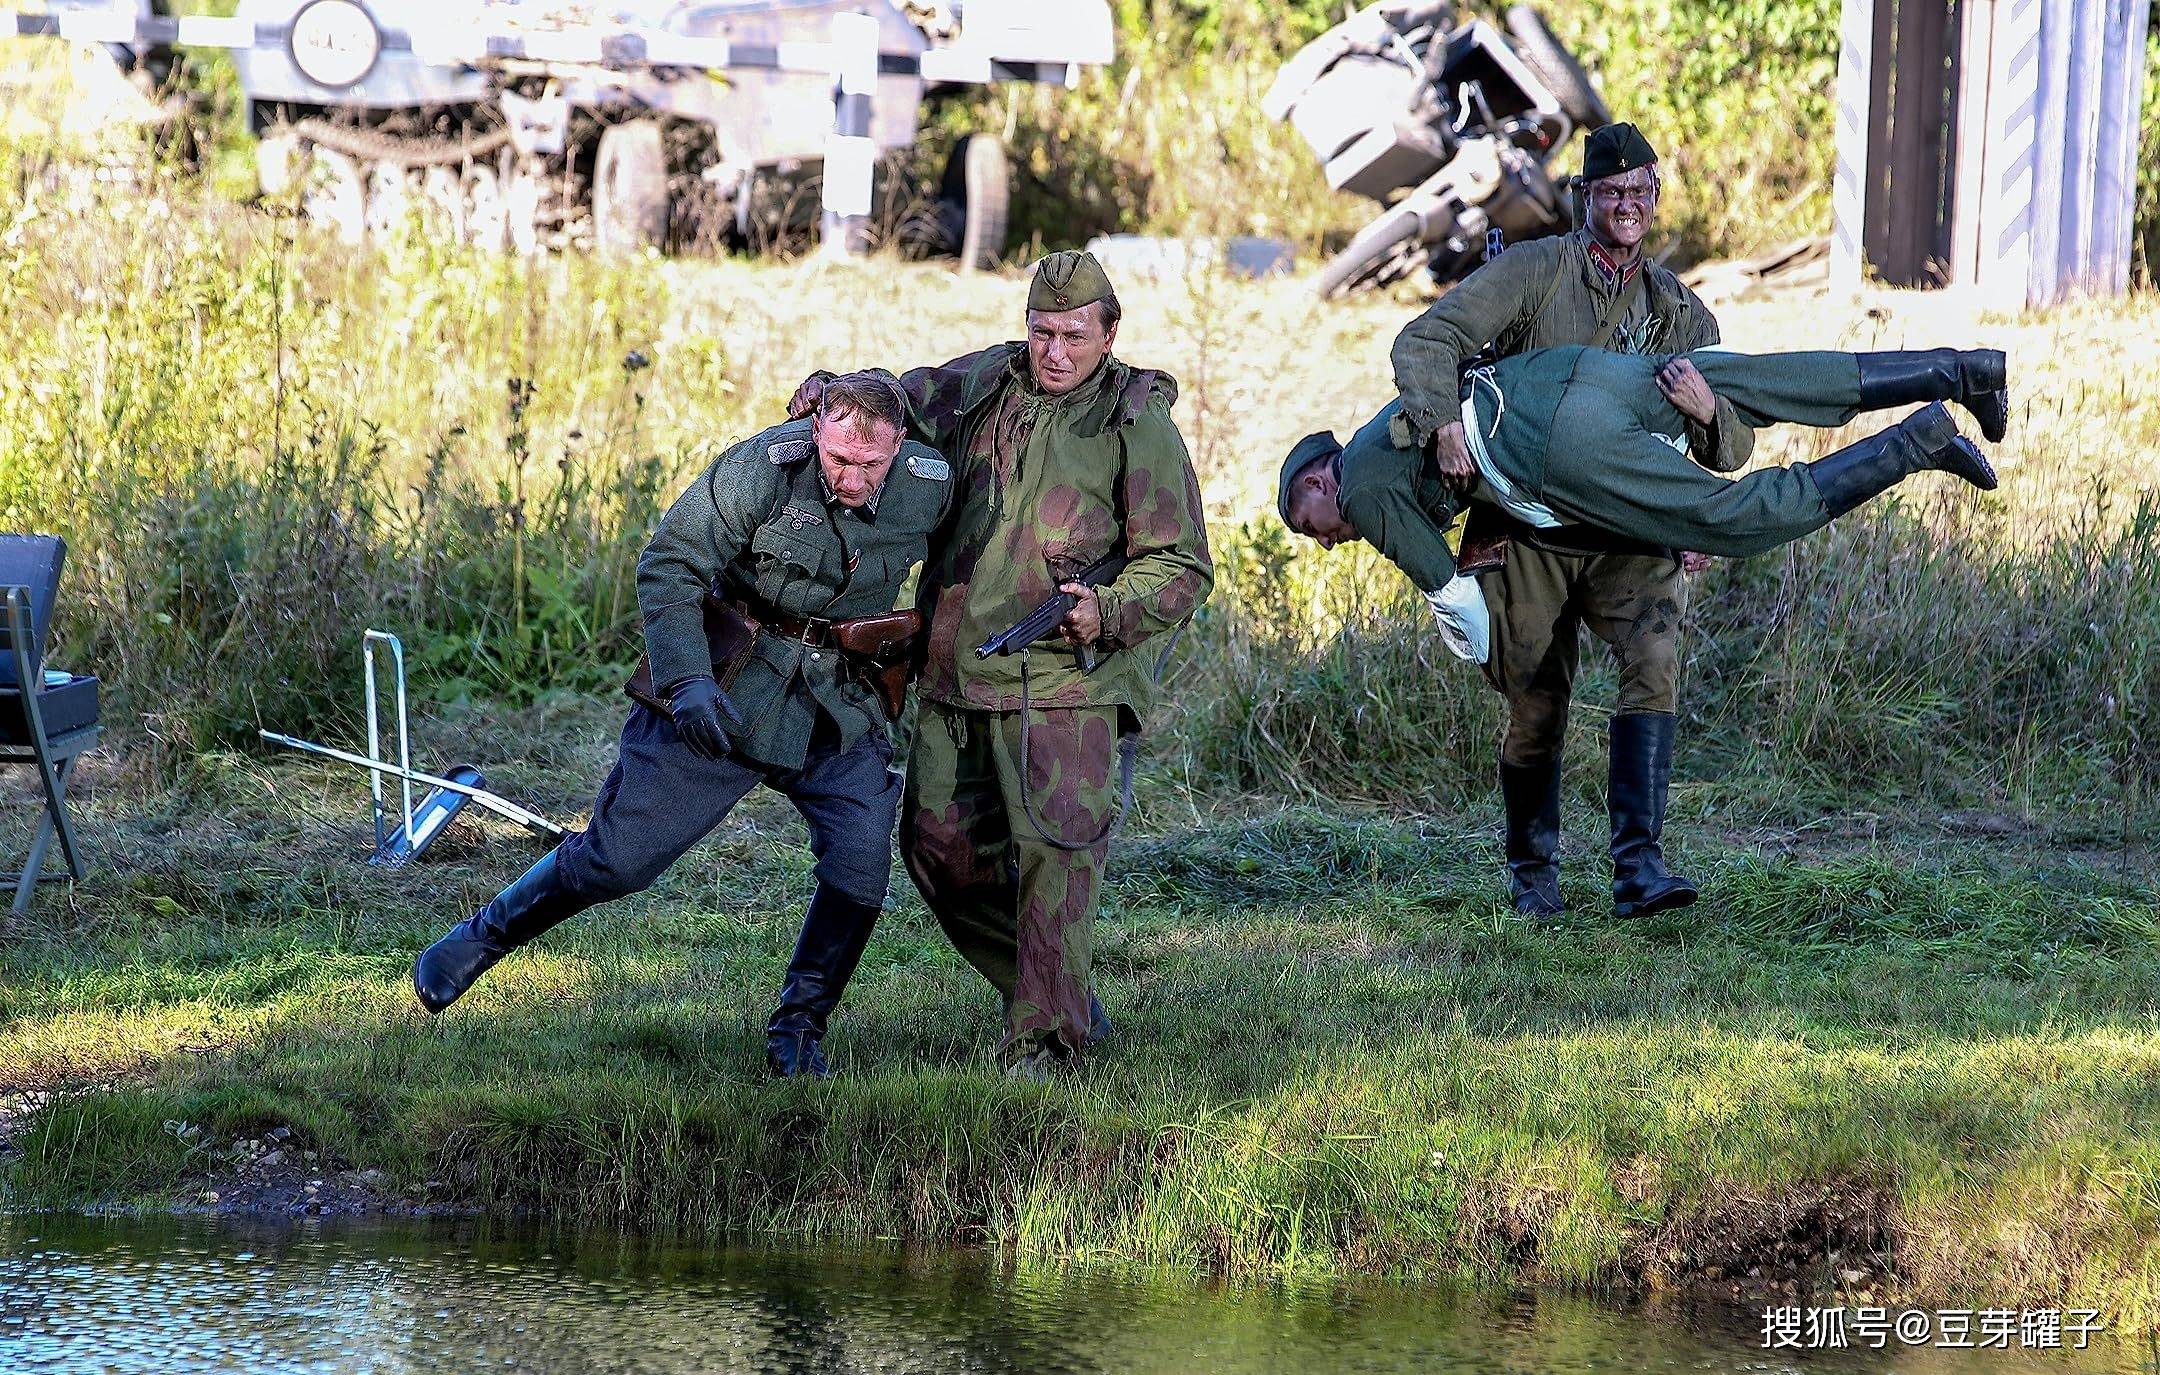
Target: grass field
1907 1043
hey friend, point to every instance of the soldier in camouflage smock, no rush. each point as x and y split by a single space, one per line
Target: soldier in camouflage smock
812 522
1064 454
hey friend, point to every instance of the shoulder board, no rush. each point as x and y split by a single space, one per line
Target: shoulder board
929 466
790 450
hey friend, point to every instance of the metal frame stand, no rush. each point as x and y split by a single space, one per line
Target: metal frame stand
55 758
420 825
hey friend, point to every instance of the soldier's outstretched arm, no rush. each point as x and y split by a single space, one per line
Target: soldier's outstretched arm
1171 572
707 527
1429 352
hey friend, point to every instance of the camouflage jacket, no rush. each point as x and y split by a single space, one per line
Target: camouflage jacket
760 525
1548 293
1046 486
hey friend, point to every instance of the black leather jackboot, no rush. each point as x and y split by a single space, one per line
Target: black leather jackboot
835 932
1641 750
1532 795
1927 440
1974 378
520 912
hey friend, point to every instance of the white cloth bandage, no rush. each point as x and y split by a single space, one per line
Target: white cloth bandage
1465 625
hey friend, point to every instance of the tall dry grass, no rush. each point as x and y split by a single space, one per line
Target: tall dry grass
259 442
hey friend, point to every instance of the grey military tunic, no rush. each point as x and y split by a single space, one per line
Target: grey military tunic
761 525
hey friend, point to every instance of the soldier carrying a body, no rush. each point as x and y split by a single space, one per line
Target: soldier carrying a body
748 589
1594 287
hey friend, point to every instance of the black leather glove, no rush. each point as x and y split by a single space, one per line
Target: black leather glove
699 708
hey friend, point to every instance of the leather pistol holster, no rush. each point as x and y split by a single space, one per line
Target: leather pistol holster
730 633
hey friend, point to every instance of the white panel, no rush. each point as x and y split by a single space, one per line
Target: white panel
98 26
855 53
1848 199
676 50
2012 127
955 64
2043 273
806 57
847 175
565 45
205 31
2115 160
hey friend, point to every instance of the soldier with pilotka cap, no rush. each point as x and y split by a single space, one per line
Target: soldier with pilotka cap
767 595
1066 455
1595 287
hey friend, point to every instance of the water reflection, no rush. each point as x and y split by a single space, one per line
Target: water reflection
172 1295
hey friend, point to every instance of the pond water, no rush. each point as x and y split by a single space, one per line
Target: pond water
189 1295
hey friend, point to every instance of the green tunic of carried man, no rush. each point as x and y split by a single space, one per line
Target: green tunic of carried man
1585 435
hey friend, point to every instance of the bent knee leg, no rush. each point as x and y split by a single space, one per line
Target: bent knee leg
604 871
1536 729
1650 675
858 865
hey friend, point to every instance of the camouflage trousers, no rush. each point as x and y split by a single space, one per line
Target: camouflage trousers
1541 601
1019 909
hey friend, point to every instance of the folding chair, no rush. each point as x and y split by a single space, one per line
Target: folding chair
46 719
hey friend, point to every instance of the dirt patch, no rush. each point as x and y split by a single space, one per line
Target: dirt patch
1828 1240
275 1175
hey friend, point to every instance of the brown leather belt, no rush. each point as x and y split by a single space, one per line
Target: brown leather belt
814 631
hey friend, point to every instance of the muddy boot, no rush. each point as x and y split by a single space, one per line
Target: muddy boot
1974 378
1927 440
834 932
1532 795
1640 772
520 912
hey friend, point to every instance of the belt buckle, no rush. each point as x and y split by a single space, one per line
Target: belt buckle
816 633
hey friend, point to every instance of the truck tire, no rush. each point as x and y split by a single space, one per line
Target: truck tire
977 196
1557 67
1374 244
630 187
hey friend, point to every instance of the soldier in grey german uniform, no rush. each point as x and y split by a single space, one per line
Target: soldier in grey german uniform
806 525
1593 287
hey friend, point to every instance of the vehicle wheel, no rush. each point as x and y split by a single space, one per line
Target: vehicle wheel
1551 60
630 187
976 197
1365 262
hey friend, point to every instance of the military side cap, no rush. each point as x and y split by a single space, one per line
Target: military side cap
1309 450
1614 149
1068 281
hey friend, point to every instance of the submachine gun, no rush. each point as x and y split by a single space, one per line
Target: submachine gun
1015 639
1045 618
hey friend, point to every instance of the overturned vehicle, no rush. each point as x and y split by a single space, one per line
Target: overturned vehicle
1452 127
624 123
